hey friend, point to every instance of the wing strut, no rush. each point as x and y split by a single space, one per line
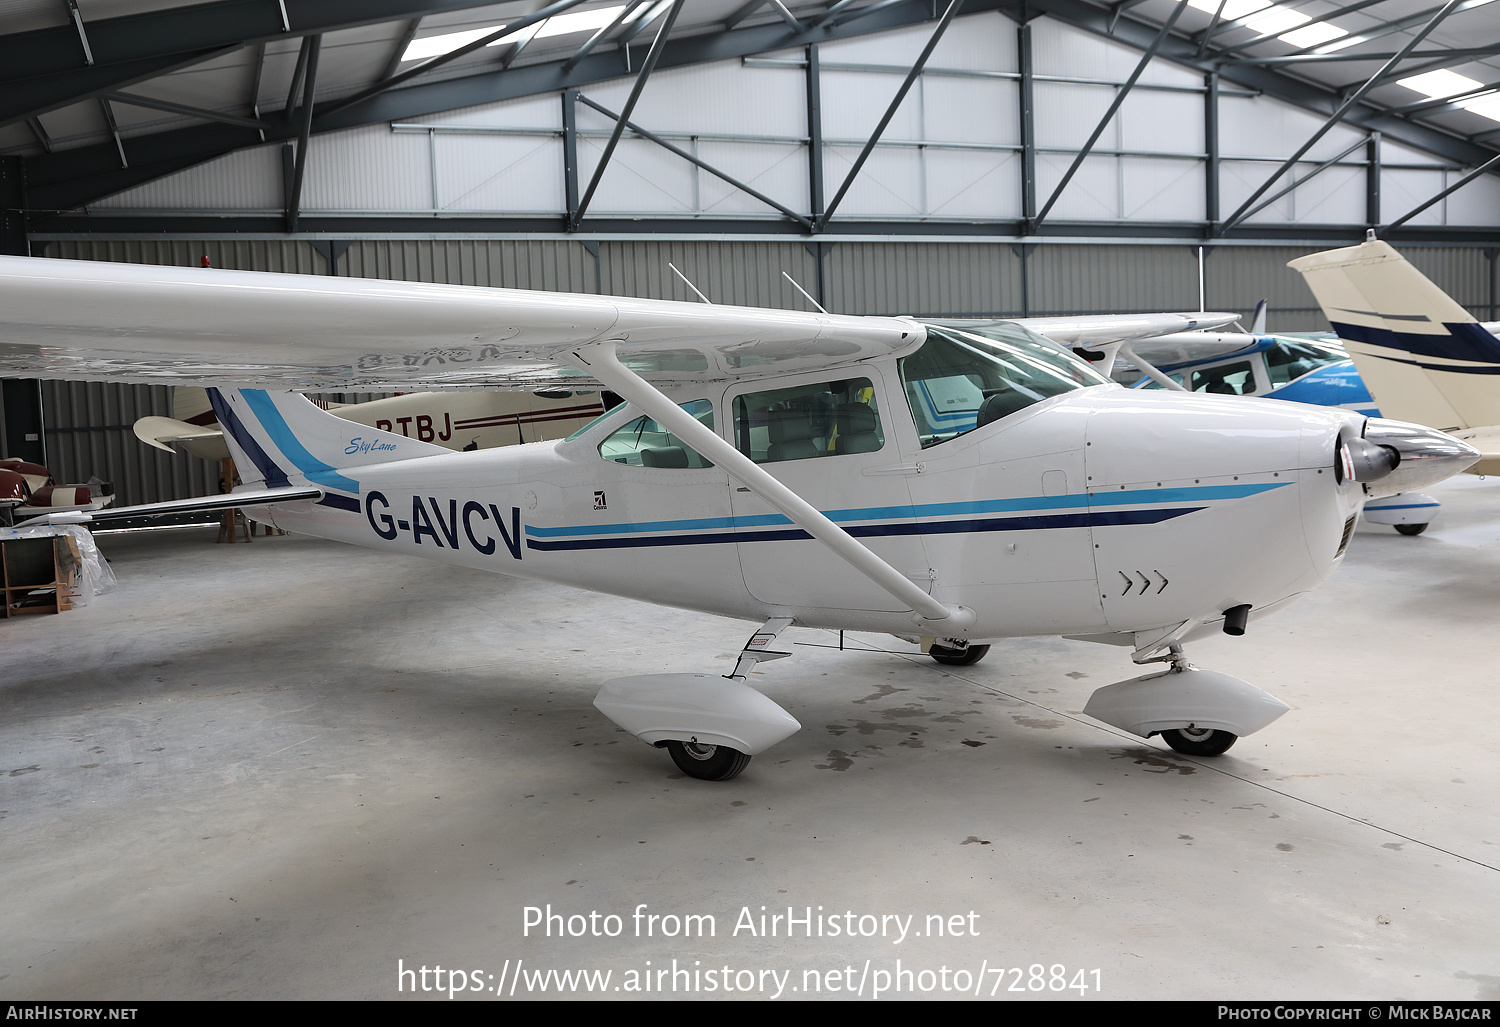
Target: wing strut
601 361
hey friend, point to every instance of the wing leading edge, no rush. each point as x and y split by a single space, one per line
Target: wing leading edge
96 321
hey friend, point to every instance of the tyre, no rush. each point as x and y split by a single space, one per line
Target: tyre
959 657
708 762
1199 741
1411 529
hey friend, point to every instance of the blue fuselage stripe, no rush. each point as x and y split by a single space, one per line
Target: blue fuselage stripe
912 515
281 433
1091 518
274 476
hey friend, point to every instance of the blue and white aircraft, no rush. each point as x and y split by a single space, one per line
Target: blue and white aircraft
953 484
1301 369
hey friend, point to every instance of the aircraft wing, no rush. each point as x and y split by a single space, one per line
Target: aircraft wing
95 321
1102 329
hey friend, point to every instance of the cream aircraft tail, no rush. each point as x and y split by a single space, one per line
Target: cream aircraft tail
1423 357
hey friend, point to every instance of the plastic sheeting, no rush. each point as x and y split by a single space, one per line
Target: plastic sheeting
94 575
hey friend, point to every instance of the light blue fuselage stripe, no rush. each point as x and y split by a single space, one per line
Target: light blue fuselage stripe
281 433
1191 494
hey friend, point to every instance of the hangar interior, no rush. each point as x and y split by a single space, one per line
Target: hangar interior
255 820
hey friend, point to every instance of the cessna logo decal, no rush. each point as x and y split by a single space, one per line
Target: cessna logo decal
447 527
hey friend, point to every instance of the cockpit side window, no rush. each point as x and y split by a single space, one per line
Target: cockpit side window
1237 379
644 443
1286 360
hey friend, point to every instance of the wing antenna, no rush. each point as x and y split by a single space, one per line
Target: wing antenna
688 283
803 292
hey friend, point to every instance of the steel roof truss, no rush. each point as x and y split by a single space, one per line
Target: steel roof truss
1343 108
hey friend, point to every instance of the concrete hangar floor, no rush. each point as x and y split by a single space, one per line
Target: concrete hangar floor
294 769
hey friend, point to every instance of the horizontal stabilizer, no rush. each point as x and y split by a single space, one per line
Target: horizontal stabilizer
229 501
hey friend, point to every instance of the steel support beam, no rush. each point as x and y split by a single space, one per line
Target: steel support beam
814 83
31 97
685 155
866 11
831 13
570 154
68 179
132 100
83 37
304 134
1120 96
1314 173
652 57
1028 123
1211 147
393 64
1295 91
1338 115
255 80
1455 187
787 15
599 36
743 11
1399 24
1453 56
114 129
1372 181
1119 8
177 32
1445 104
13 207
890 111
432 64
1237 47
1209 32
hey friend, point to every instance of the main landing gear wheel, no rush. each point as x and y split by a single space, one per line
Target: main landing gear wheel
1199 741
958 657
1411 529
708 762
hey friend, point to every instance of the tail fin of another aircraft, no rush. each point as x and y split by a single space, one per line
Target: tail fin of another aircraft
281 438
1258 319
1424 358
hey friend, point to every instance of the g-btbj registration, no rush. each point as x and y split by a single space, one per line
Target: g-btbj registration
952 483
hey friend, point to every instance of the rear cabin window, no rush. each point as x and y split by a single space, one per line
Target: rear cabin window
807 422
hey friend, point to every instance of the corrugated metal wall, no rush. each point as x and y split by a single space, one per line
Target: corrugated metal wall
88 430
552 266
88 426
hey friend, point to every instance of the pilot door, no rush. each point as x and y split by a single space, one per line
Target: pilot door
831 439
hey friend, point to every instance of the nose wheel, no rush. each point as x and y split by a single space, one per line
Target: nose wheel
965 657
708 762
1193 741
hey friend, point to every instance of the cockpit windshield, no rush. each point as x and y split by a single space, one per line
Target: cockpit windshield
970 373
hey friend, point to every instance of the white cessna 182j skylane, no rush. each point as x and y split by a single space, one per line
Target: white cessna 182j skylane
954 483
